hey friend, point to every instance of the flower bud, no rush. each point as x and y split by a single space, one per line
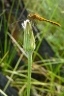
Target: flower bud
29 40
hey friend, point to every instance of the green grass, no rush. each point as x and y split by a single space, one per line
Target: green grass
53 10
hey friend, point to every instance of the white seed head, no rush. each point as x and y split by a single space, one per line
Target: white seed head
25 23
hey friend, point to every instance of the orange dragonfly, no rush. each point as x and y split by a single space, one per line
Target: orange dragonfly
38 17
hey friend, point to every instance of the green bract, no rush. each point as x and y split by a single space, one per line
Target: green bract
29 40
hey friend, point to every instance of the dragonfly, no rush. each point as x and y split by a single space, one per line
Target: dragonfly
38 17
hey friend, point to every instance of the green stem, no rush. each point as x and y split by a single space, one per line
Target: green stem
13 72
29 73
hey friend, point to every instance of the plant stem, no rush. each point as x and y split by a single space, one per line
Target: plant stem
13 72
29 72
